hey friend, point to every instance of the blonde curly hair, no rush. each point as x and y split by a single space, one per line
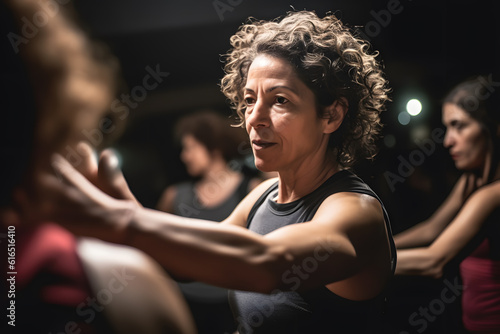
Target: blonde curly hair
330 60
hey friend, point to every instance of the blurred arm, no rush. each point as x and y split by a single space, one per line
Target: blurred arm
227 254
427 231
430 261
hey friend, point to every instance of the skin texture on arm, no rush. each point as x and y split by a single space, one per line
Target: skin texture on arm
355 239
231 256
424 233
429 261
257 263
145 299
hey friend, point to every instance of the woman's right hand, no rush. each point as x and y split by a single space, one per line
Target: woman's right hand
88 199
105 174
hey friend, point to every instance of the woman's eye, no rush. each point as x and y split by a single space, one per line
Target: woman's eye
281 100
249 101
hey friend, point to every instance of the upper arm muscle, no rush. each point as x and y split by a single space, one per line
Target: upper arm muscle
339 240
467 223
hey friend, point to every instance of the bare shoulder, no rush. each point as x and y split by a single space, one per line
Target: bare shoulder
240 214
492 188
262 186
487 195
349 211
166 201
254 183
132 277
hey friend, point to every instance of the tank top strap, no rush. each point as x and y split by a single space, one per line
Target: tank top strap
260 201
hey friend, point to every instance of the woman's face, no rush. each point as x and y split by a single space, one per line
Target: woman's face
195 156
465 139
281 118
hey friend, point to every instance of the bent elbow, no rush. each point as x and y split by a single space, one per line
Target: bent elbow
434 267
273 266
435 272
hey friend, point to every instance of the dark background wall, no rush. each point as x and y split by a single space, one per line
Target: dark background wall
426 47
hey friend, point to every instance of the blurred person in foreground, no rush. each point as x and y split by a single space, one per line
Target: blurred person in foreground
310 251
466 226
59 85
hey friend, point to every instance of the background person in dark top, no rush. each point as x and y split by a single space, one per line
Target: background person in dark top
210 147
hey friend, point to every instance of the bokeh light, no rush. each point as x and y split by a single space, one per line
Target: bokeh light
414 107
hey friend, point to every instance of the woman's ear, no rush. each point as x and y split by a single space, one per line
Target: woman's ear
334 115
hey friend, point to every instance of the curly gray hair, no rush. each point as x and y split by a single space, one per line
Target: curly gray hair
330 60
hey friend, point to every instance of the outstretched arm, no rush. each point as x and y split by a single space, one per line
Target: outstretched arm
430 261
424 233
224 254
235 257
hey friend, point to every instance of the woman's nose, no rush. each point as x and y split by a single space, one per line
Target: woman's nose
448 140
258 116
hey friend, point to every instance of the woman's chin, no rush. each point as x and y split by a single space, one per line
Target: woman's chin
263 167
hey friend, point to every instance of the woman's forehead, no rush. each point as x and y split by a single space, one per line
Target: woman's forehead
452 112
272 72
272 67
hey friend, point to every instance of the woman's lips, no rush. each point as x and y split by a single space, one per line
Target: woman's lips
260 144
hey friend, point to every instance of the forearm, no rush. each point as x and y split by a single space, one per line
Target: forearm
223 255
418 261
417 236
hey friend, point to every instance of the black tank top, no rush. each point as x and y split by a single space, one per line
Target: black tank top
314 311
187 204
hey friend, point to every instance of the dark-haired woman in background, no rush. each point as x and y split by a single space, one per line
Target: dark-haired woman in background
210 148
466 226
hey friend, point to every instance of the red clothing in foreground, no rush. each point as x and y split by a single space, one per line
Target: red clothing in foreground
50 283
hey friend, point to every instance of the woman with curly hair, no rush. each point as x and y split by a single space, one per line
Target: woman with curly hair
310 251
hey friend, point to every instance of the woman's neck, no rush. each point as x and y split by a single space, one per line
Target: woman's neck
490 172
218 171
217 184
302 181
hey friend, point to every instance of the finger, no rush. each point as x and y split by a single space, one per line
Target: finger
109 166
68 174
111 177
88 163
